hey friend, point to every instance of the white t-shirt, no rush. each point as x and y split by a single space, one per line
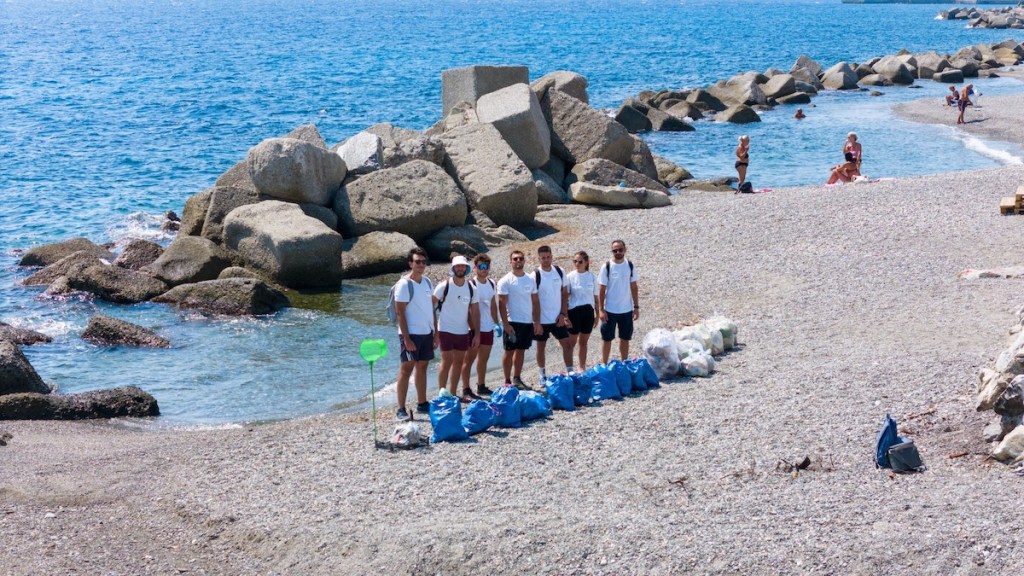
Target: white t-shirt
454 315
485 295
419 313
550 294
617 298
520 291
582 287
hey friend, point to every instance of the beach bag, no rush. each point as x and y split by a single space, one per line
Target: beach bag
504 402
650 377
622 376
746 188
886 439
636 376
532 405
582 389
605 386
659 348
479 416
904 457
446 419
560 392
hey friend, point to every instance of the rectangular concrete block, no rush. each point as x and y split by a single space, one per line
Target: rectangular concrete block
470 83
515 111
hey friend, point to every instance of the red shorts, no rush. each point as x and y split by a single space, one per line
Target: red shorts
451 341
487 338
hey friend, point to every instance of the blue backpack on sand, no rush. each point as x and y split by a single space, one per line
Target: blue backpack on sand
636 375
504 402
622 376
532 406
446 419
886 438
605 386
560 392
582 389
478 417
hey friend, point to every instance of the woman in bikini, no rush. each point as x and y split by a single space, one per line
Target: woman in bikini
844 172
853 147
742 159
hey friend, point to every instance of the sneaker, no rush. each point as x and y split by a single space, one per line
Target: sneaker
518 383
468 395
402 415
483 390
423 408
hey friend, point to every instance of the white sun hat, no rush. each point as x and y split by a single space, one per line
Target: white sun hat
458 261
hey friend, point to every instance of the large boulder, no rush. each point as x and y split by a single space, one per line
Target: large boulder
223 200
805 62
579 133
125 402
116 284
50 253
893 70
278 238
229 297
930 63
297 171
805 76
745 89
1011 446
705 101
138 253
968 67
840 77
685 109
949 76
376 253
564 81
633 118
494 179
618 196
670 173
22 336
460 115
515 112
738 114
549 191
189 259
605 173
71 264
194 214
238 176
779 85
875 80
107 331
665 122
642 160
468 241
362 153
468 84
415 198
555 168
16 374
402 145
795 98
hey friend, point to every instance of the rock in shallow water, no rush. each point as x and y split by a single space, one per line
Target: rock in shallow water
115 284
50 253
128 401
230 297
22 336
16 374
107 331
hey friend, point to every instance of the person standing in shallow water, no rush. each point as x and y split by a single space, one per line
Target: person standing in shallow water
742 159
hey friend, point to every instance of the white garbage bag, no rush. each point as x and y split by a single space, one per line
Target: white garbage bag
699 365
687 344
717 342
659 347
726 327
698 332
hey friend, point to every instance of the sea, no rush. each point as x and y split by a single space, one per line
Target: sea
113 112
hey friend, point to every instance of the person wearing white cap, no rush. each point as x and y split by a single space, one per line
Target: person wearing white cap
458 323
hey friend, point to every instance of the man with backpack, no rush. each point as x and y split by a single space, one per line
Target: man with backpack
519 311
617 301
414 314
458 324
553 297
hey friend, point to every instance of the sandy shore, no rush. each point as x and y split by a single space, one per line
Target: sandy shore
848 306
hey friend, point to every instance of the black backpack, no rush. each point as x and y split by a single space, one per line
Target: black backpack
444 296
608 268
561 276
746 188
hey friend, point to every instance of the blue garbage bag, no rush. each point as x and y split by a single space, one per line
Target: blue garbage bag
560 392
446 419
504 401
622 377
650 376
636 376
886 438
533 405
605 386
582 388
479 416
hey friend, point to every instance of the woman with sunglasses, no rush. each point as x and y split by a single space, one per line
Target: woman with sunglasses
485 291
582 305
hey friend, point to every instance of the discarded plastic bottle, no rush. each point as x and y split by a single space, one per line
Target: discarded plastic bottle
498 330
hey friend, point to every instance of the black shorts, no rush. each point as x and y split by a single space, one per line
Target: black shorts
582 319
559 332
520 337
424 348
625 323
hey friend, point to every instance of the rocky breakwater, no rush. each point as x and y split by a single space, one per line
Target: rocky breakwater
1001 389
1000 18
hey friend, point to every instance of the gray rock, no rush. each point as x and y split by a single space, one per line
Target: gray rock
1011 401
969 67
415 198
222 201
376 253
705 101
685 109
362 153
949 76
564 81
670 173
738 114
238 272
779 85
16 374
195 212
230 297
875 80
1000 427
604 173
805 88
279 239
579 133
515 112
125 402
462 114
555 168
402 145
807 77
22 336
795 98
549 191
138 253
296 171
107 331
665 122
807 63
189 259
70 264
742 89
50 253
618 197
930 63
893 70
470 83
839 77
238 176
468 241
633 118
115 284
493 178
863 70
321 213
642 160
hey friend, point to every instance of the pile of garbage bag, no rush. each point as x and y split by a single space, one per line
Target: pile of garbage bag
689 351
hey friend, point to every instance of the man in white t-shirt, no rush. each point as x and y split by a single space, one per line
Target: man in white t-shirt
617 301
553 295
519 311
415 311
458 323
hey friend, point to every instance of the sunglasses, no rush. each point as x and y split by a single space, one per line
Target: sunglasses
419 261
618 250
518 259
483 266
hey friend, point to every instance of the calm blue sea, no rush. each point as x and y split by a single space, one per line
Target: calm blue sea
114 111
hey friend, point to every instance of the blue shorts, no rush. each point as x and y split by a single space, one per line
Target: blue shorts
424 348
625 323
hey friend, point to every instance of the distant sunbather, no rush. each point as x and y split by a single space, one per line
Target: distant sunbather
845 172
952 97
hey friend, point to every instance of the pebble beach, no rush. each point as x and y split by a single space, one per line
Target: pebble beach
849 308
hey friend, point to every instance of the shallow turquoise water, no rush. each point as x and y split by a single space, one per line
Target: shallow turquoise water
112 112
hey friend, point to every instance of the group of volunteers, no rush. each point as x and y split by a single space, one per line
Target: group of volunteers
462 314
